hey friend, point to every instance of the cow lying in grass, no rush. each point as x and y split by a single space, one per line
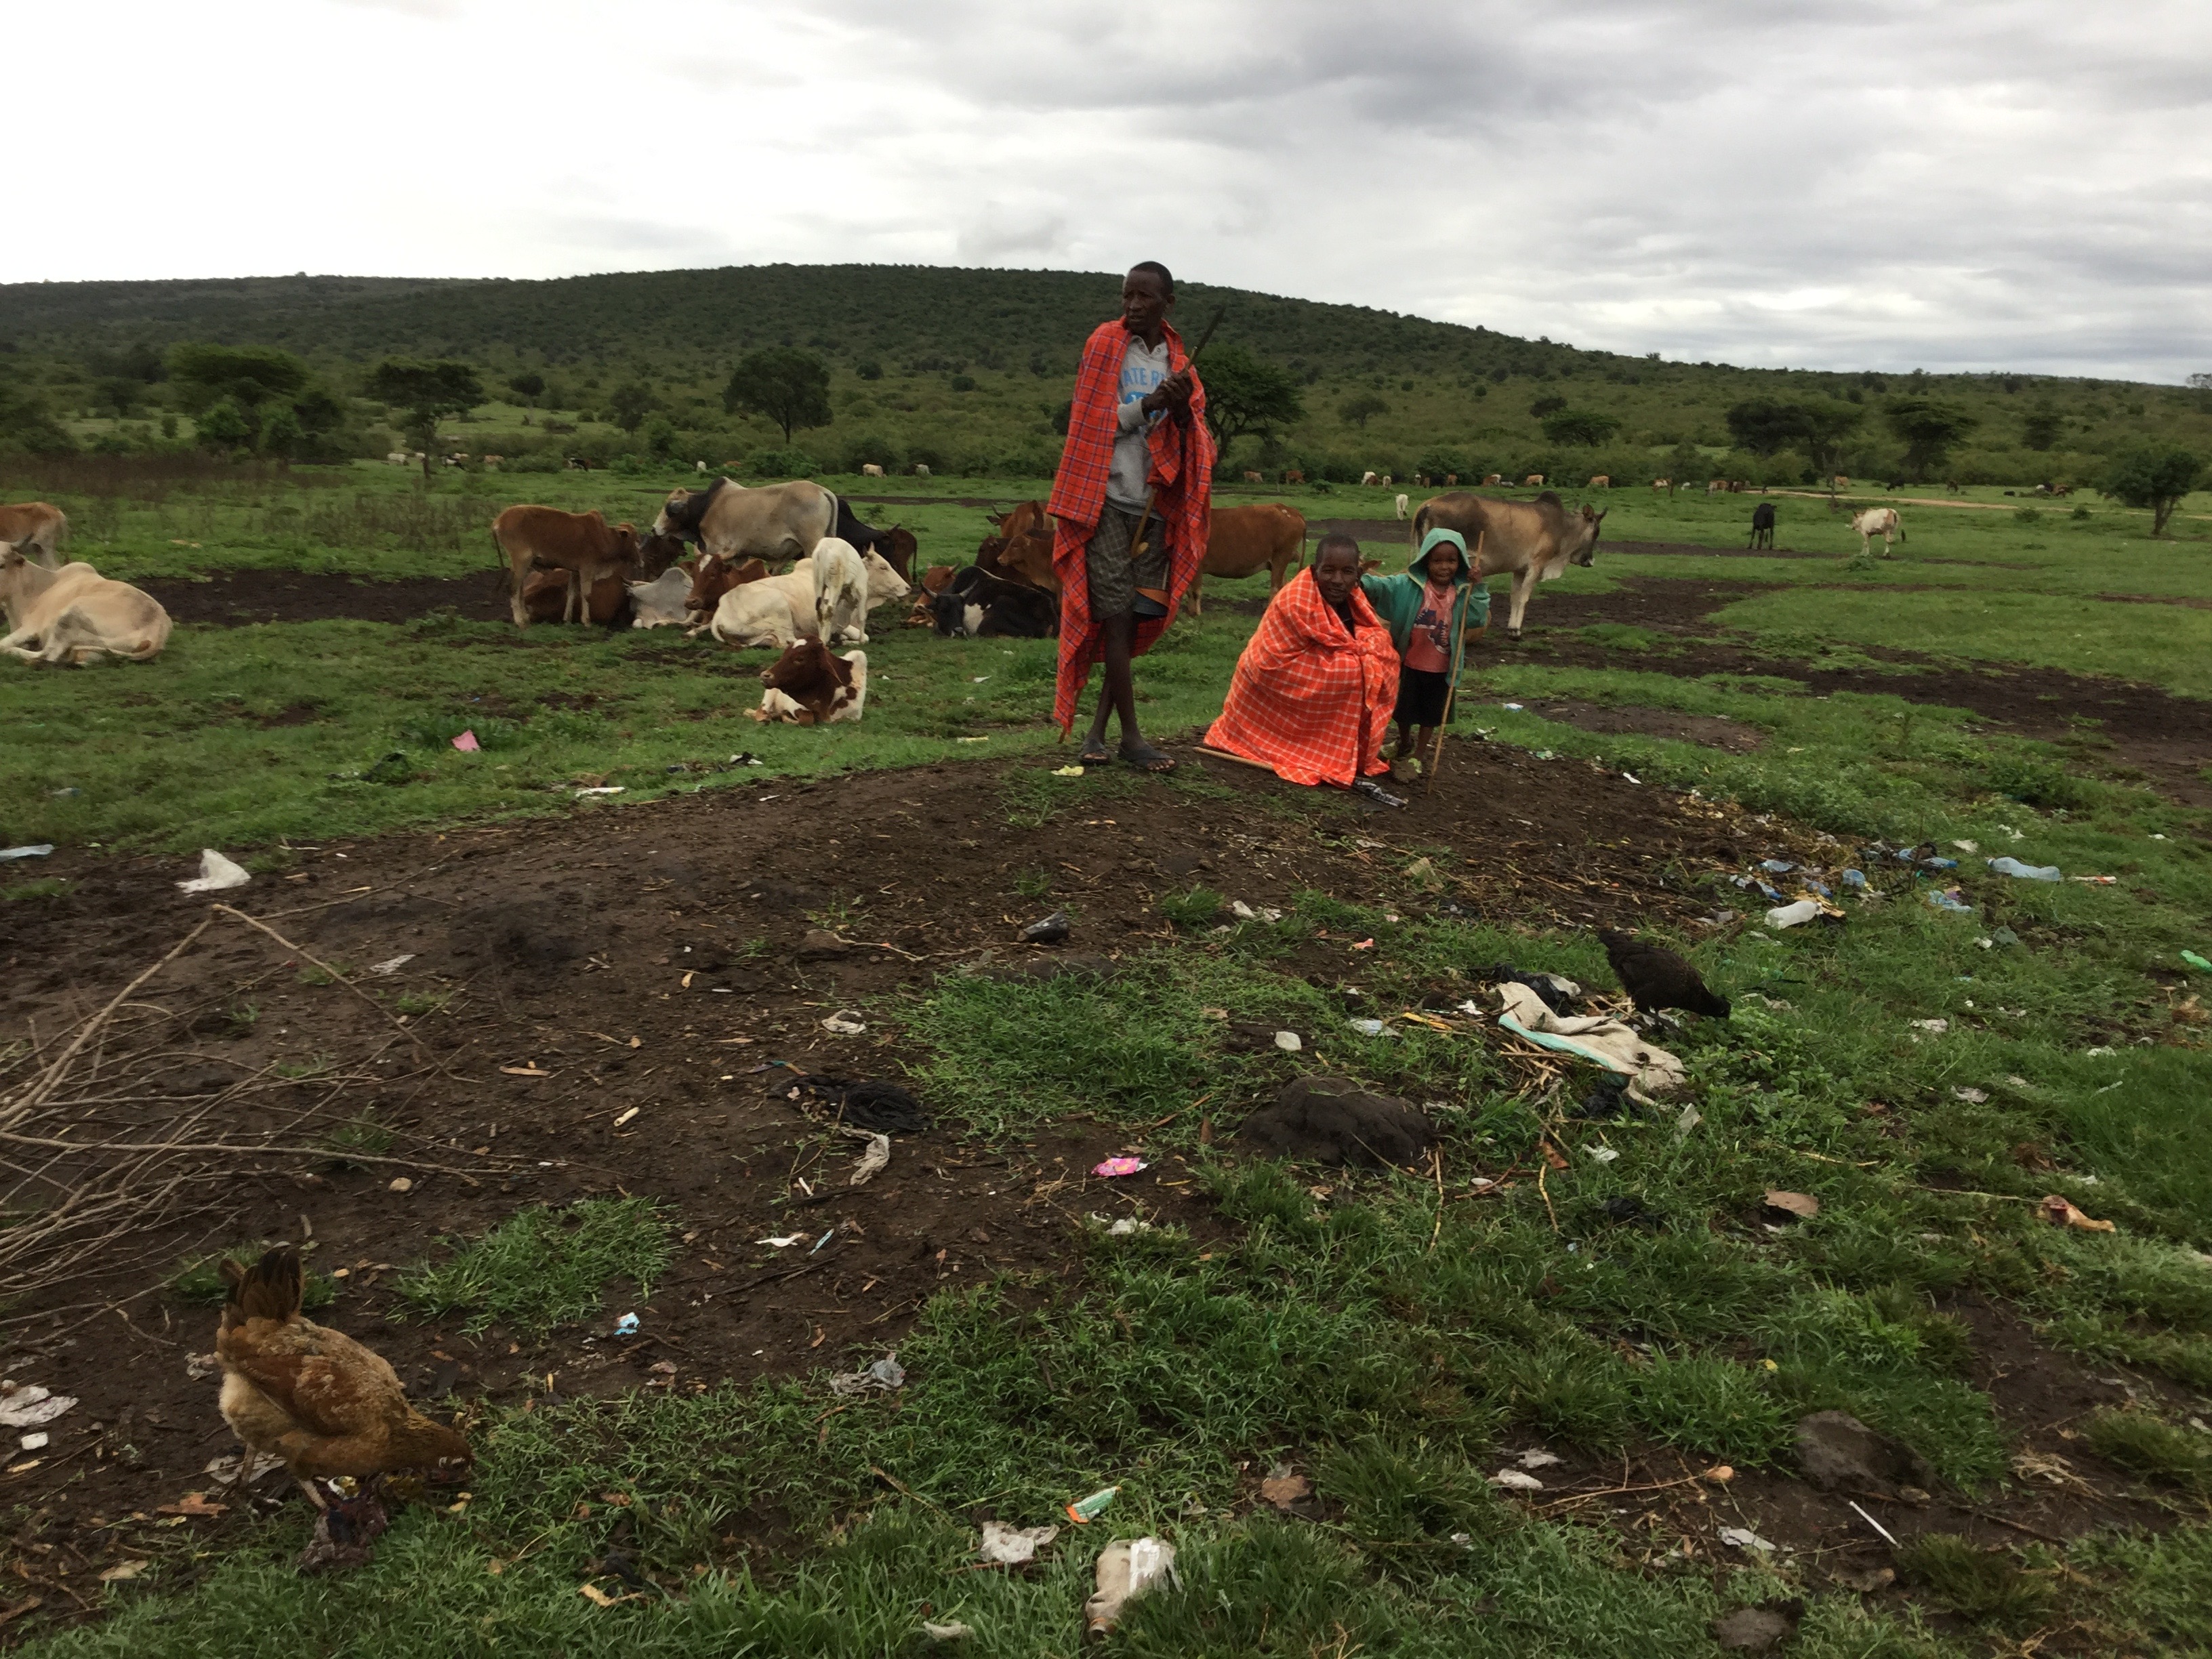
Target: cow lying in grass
783 609
808 685
75 614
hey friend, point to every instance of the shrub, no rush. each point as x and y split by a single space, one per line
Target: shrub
782 463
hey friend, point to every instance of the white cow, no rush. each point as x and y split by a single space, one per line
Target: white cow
740 621
660 603
1369 478
1881 521
870 470
75 614
1401 506
841 592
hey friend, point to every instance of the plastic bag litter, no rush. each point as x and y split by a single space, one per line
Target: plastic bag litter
952 1629
1948 898
1743 1538
886 1375
873 1161
845 1023
1515 1481
217 873
467 743
1788 915
2013 866
1047 930
1010 1546
1374 1027
1244 912
1126 1568
391 964
37 852
1111 1167
27 1406
1289 1042
2197 962
1534 1459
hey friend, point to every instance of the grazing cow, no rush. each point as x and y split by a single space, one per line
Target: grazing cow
1243 541
1762 525
870 470
1602 481
39 526
1840 482
1387 481
1952 485
1881 521
1536 541
808 685
396 457
1294 476
1494 480
1251 476
1451 478
75 614
546 538
1667 484
1400 504
920 470
841 592
1716 486
775 522
1534 480
1369 477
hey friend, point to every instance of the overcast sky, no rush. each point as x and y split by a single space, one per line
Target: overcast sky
1978 184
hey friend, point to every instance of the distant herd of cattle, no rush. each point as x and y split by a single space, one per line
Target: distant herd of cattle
710 562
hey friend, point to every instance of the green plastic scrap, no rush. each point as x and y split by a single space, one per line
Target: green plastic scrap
2196 961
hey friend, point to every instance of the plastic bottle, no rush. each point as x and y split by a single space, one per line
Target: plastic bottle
2012 867
1788 915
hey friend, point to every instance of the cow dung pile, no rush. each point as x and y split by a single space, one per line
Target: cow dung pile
1332 1119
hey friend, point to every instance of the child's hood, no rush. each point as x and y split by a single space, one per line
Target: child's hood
1440 536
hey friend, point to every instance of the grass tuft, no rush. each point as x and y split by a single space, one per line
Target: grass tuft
544 1267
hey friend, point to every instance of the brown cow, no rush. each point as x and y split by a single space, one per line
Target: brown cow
1534 480
1294 476
1243 541
1025 519
1027 560
807 685
1251 476
546 538
547 595
1602 481
934 581
36 527
1534 540
714 577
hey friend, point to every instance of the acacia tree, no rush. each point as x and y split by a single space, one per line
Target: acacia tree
1246 393
1930 428
528 387
2040 430
783 384
428 391
1587 427
1362 408
226 387
1766 426
2155 476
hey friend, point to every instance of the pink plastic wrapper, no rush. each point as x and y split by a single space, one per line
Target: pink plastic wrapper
1119 1166
467 743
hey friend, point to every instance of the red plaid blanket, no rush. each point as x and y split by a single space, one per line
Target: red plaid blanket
1307 698
1183 481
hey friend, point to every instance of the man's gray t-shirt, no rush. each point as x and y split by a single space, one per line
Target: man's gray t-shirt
1143 368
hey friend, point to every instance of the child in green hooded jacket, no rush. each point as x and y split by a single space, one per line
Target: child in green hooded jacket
1427 609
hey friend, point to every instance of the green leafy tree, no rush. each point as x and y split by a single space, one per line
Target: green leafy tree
1930 428
1360 409
631 403
1550 404
248 375
528 387
1826 427
2153 475
658 436
28 427
1685 467
2041 429
1767 426
1585 427
282 433
223 424
428 391
784 385
1245 392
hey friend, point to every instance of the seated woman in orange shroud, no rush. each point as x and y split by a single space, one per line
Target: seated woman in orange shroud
1313 693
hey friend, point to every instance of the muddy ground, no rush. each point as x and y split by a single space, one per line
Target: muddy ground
606 1029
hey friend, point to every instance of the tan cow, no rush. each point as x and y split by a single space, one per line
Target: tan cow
775 522
1535 541
581 544
1023 519
1667 484
1533 481
1494 480
1243 541
43 526
1881 521
75 614
1602 481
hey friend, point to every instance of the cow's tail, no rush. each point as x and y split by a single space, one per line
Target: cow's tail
1900 528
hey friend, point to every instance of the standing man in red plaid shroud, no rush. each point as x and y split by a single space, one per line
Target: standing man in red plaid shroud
1137 442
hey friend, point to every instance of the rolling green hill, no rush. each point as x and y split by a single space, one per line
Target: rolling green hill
965 367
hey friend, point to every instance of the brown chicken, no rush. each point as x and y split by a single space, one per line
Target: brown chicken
333 1411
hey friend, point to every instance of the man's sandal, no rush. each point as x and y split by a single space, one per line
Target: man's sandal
1145 758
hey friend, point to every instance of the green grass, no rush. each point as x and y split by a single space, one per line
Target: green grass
544 1267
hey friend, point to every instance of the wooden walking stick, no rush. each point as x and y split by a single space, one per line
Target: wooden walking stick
1144 519
1459 656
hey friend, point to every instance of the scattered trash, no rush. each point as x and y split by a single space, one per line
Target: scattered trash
828 1233
1776 866
1010 1546
1119 1166
886 1375
27 1406
123 1572
1244 912
1534 1459
223 1471
1515 1481
467 743
1743 1538
954 1631
1515 707
1422 871
1374 1027
1803 1205
1760 1629
1948 898
1471 1008
37 852
1602 1154
2013 866
1935 1027
1966 846
981 739
1788 915
1690 1118
1289 1042
35 1442
1067 771
1972 1096
1282 1488
1124 1228
1612 1043
1363 944
2197 962
845 1023
627 1325
391 964
1084 1511
1050 930
400 1184
217 874
783 1243
603 789
874 1160
1854 878
1554 991
1630 777
1126 1568
2102 1051
2054 1209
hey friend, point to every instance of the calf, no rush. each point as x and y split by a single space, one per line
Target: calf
1251 476
1762 525
545 539
1370 477
715 576
38 526
807 685
1881 521
75 614
1027 560
1401 503
1491 481
547 596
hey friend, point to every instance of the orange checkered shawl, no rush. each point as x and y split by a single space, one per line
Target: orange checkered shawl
1182 484
1307 698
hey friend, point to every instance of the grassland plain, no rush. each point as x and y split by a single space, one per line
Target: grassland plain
1393 1337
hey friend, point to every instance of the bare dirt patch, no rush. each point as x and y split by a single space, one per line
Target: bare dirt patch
1713 730
236 598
